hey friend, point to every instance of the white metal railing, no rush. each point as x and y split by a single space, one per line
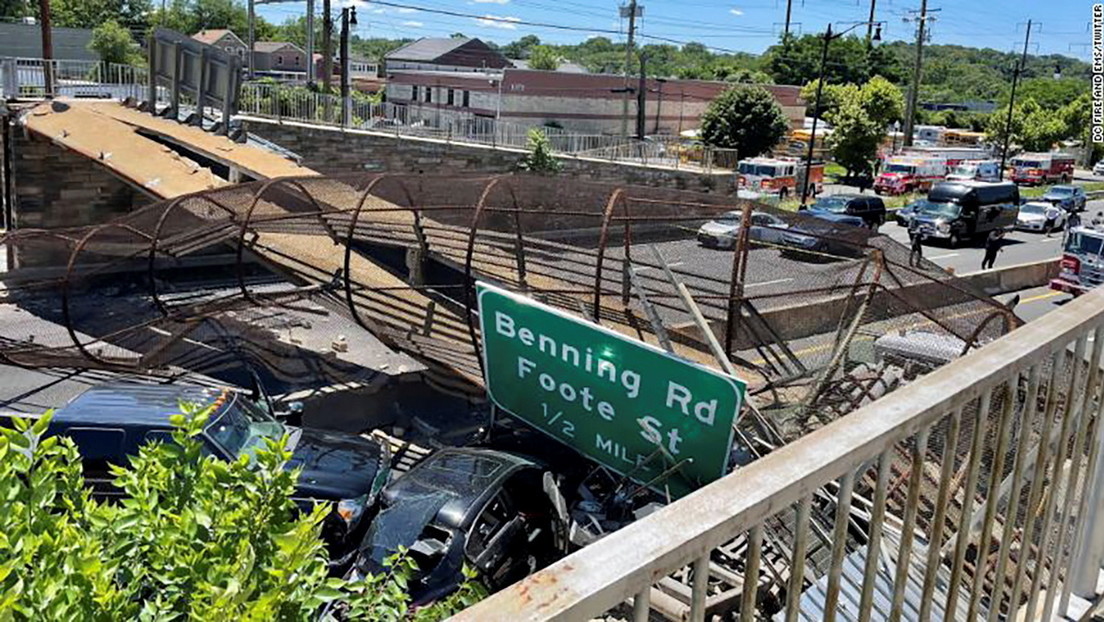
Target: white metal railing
974 490
27 78
300 104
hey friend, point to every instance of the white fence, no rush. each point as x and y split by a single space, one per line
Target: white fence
27 78
974 493
300 104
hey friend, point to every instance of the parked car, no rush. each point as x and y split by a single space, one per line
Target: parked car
905 215
1070 198
110 422
1032 217
870 208
955 211
1098 169
722 232
821 234
489 509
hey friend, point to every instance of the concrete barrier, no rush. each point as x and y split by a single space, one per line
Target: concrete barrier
793 322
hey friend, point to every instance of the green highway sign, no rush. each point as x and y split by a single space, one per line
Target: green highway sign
661 420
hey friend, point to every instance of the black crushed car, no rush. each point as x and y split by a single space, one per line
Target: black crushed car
111 422
492 510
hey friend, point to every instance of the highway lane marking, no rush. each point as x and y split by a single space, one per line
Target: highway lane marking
774 282
944 256
1041 297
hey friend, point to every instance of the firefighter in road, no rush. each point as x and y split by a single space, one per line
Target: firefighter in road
993 245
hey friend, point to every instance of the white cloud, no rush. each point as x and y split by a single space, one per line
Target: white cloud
489 2
495 21
413 24
736 12
379 11
407 10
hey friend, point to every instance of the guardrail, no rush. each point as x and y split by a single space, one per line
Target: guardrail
978 488
281 102
27 78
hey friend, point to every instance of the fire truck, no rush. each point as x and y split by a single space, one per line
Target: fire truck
1042 168
1082 266
784 176
901 174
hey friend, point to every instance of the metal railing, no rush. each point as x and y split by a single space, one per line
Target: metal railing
974 490
300 104
27 78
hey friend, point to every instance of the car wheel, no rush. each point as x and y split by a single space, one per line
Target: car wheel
954 240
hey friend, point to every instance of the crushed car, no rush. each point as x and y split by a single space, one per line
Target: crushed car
110 422
498 513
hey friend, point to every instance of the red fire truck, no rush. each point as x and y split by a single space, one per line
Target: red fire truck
1042 168
784 176
901 174
1082 266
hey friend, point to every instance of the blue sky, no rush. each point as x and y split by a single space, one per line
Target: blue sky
746 26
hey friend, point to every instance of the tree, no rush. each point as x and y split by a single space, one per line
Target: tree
745 118
15 9
521 47
855 137
540 158
114 44
1034 128
883 102
831 97
544 58
195 538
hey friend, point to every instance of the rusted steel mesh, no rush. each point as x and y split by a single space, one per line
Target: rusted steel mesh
400 256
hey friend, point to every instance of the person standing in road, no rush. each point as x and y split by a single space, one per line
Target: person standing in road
1074 220
993 245
1051 214
916 246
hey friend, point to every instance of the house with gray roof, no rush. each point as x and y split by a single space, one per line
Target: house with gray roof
445 54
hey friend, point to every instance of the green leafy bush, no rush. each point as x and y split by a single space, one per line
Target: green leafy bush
194 537
540 158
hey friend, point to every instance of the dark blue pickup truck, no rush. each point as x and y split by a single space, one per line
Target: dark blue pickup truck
110 422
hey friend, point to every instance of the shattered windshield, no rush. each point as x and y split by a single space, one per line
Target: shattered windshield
401 525
242 427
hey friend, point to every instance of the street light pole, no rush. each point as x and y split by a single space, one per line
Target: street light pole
816 115
1012 102
828 36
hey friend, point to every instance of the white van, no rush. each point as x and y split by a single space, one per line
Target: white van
975 170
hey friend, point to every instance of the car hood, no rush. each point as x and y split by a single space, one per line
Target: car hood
1030 217
336 465
714 227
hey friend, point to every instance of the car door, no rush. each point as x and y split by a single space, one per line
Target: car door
771 228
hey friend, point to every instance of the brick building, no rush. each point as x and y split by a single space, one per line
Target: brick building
580 102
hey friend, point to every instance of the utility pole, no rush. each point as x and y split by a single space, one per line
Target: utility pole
789 12
631 11
641 99
1012 100
47 47
805 185
250 35
327 45
348 18
870 25
310 42
914 91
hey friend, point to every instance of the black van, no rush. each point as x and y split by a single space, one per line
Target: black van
960 210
